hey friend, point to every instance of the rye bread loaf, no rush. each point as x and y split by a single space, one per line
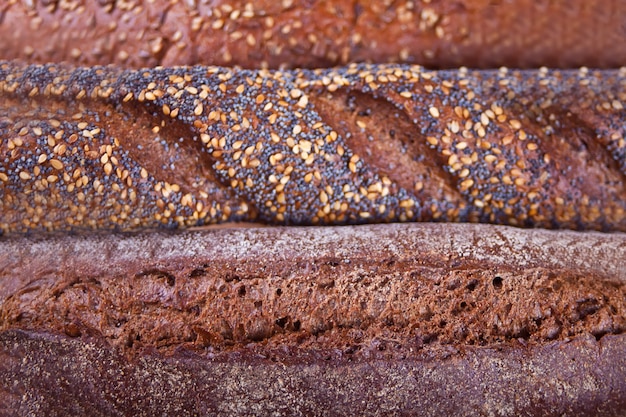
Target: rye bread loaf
405 318
61 376
107 148
315 33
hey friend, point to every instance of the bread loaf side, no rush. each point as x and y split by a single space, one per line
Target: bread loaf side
581 377
108 148
319 33
469 319
318 288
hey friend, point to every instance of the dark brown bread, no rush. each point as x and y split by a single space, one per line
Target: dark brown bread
107 148
418 283
316 33
54 375
414 318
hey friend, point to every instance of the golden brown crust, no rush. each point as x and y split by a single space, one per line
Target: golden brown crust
107 148
319 33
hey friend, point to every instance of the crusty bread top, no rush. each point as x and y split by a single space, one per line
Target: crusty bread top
54 375
386 291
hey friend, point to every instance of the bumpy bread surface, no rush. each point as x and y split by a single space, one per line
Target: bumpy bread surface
315 33
109 148
399 287
468 319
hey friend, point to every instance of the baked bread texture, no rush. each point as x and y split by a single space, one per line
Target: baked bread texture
107 148
315 33
214 314
424 318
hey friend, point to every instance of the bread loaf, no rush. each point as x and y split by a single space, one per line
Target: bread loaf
434 319
109 148
315 33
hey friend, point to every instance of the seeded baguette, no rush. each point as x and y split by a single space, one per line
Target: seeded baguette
375 319
109 148
299 33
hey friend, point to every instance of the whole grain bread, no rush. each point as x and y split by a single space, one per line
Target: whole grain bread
315 33
406 318
107 148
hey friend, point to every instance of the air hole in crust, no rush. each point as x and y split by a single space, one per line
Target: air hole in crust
198 272
497 282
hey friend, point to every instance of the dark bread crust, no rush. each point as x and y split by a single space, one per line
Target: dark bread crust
305 33
193 323
321 288
428 319
107 148
58 376
398 287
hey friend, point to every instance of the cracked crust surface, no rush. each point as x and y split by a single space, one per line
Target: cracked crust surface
381 290
477 319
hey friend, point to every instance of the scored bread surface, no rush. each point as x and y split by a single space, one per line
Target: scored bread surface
435 318
108 148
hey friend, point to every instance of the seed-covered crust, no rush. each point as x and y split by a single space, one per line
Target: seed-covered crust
108 148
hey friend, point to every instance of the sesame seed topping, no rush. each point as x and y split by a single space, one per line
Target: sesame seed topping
340 145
